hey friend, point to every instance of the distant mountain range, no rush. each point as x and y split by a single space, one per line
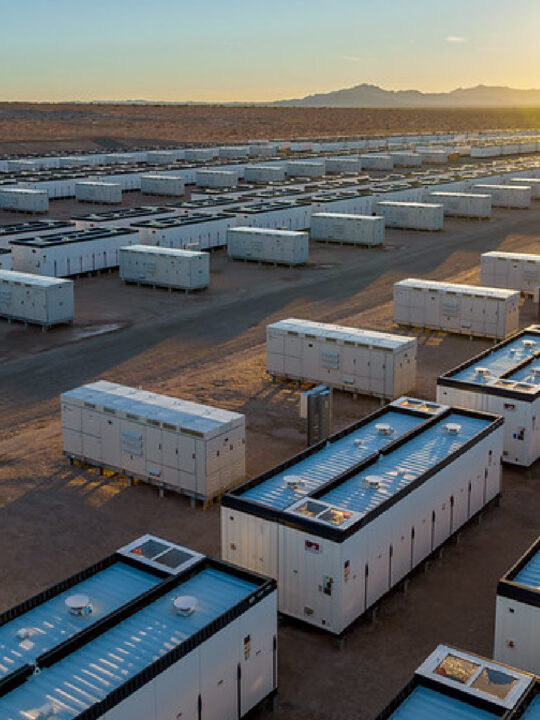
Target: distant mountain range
372 96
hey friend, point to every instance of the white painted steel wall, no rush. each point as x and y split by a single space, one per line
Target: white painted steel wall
264 173
72 258
165 267
345 228
463 309
39 300
507 196
24 200
516 271
411 215
162 185
372 161
532 182
264 245
198 462
463 204
206 235
406 159
351 359
99 192
216 178
306 168
6 261
285 217
345 164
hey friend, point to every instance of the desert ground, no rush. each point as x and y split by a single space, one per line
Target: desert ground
209 347
42 127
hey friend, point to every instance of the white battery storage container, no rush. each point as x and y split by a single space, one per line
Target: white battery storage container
306 168
517 614
347 229
411 215
153 184
193 449
359 361
182 231
165 267
34 299
233 151
373 161
343 523
264 173
516 271
467 205
504 380
345 164
209 633
507 196
533 183
276 214
200 154
452 684
76 253
216 178
6 261
106 193
24 200
451 307
124 217
406 159
281 247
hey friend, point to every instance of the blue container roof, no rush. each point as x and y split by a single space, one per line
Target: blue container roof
406 463
332 460
533 711
500 360
88 675
530 573
426 704
50 623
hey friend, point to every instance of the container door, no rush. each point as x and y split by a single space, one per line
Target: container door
376 371
310 359
258 655
219 675
169 448
131 440
441 522
110 434
177 690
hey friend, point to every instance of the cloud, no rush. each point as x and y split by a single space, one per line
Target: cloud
352 58
456 39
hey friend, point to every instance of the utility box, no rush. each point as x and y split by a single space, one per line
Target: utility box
462 309
316 407
467 205
338 529
105 193
411 215
504 380
197 450
281 247
35 299
347 229
515 271
517 615
165 267
352 359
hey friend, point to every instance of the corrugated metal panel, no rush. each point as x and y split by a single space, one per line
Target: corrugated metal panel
406 463
426 704
86 676
501 360
52 624
332 460
530 574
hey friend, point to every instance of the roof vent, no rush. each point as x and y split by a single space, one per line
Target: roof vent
384 429
79 604
24 633
535 371
483 371
373 481
358 442
528 343
185 605
512 351
45 711
452 428
294 482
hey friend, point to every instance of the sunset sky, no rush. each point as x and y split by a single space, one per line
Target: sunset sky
259 50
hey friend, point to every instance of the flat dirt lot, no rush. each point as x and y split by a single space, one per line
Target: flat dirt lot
209 347
29 127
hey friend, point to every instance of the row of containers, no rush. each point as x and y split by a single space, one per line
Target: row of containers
156 628
27 192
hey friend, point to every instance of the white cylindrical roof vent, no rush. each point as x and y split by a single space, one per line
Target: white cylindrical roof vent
535 371
24 633
528 343
79 604
452 428
483 371
294 482
185 605
373 481
358 442
384 429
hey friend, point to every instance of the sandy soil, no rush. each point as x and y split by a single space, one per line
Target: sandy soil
27 127
209 347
